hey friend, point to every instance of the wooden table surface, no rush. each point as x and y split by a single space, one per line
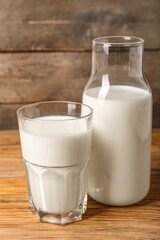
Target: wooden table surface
140 221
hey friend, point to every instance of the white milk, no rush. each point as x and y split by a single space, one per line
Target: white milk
119 172
56 154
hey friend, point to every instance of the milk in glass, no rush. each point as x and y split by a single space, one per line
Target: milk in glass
56 161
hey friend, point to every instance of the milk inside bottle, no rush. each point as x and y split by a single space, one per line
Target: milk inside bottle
119 172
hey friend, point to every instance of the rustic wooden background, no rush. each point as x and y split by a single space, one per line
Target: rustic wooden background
45 47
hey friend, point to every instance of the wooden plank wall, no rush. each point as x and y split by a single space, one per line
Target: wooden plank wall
45 47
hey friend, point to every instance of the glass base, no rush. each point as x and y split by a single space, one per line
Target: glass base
60 219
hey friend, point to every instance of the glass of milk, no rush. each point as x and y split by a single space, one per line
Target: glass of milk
118 92
55 141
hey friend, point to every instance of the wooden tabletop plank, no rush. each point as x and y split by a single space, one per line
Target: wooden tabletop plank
140 221
33 77
70 25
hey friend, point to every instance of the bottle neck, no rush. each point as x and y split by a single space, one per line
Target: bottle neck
120 61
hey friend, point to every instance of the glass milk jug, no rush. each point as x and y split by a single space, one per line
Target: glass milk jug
119 170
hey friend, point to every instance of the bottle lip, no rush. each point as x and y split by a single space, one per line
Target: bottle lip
121 41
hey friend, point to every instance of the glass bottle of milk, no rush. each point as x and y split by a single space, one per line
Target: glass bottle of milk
119 171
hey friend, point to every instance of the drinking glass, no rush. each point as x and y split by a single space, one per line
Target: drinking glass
55 141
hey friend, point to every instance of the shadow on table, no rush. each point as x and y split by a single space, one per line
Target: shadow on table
154 193
94 209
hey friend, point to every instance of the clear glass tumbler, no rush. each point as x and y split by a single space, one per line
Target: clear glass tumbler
118 92
55 141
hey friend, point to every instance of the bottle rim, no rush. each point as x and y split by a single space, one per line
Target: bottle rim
121 41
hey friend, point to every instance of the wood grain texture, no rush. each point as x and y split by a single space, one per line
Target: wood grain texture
8 118
65 28
71 25
32 77
140 221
